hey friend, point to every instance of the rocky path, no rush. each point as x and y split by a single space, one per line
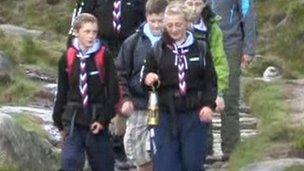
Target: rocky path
295 100
248 125
287 156
247 121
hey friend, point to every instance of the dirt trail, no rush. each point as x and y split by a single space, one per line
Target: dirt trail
295 99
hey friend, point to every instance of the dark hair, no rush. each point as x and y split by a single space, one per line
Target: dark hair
156 6
207 13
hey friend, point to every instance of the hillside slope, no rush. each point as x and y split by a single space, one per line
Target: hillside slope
281 36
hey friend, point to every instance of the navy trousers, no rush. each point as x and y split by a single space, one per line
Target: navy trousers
82 141
184 150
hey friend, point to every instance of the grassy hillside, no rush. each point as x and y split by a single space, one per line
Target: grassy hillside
53 20
281 36
280 30
281 44
38 14
277 136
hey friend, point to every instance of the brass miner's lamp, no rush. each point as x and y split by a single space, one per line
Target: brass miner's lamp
153 109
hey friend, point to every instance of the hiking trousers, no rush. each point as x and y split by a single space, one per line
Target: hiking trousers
230 130
96 147
184 150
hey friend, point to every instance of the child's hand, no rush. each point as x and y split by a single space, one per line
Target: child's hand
96 127
220 104
127 108
205 114
151 78
246 59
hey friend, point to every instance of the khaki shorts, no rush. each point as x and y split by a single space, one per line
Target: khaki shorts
117 126
137 138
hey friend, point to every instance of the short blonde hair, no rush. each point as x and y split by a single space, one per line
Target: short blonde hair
177 7
83 18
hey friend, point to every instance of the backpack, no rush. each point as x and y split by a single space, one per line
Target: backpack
100 61
135 37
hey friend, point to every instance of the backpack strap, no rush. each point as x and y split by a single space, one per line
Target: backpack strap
71 57
157 51
100 61
203 48
134 40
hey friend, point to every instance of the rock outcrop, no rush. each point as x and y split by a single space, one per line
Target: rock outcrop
19 31
24 150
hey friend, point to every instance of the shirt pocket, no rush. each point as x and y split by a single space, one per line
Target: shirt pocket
94 79
194 63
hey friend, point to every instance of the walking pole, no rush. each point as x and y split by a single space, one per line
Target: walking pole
77 10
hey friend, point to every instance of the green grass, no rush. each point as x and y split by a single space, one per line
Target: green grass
266 102
42 52
258 66
30 124
299 143
8 168
32 51
53 20
19 91
38 53
281 33
282 41
37 14
247 152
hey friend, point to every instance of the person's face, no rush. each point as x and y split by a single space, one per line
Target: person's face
195 8
176 26
155 22
87 34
